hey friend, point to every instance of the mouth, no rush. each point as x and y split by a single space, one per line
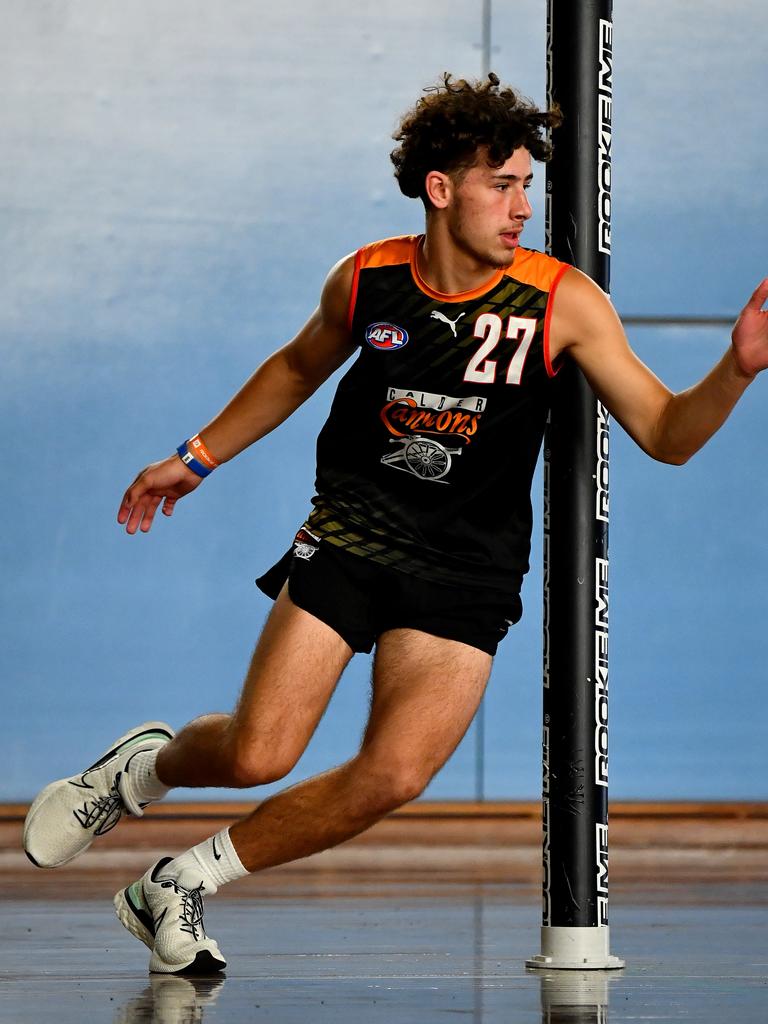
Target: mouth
511 238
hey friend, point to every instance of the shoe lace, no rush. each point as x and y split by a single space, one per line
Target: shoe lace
101 813
191 915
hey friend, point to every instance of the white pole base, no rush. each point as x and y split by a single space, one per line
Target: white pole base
575 949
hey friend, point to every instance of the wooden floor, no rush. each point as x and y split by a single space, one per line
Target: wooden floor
705 842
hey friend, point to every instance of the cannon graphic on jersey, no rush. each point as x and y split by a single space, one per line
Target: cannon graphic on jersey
421 456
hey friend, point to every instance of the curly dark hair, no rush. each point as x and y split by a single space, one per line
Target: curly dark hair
447 126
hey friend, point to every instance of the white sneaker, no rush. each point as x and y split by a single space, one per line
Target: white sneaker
166 913
68 815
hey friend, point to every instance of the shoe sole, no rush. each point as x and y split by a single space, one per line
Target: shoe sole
129 917
204 963
135 735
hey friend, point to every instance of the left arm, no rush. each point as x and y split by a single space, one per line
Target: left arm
669 427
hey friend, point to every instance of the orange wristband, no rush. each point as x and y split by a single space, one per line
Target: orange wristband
201 452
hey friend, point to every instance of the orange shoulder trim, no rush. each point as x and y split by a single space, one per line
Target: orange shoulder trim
353 290
545 273
551 369
536 269
388 252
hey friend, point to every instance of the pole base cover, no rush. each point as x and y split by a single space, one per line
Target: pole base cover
575 949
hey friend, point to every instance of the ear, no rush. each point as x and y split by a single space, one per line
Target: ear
439 189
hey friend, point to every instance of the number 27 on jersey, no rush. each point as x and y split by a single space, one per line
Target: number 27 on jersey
488 326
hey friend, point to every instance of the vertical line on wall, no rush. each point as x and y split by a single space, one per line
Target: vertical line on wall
486 39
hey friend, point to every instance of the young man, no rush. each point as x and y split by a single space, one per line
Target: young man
419 534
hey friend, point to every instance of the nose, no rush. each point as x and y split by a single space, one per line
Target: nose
520 206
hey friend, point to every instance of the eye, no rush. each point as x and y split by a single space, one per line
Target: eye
527 185
502 186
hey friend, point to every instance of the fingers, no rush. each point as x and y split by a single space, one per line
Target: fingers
130 500
759 295
160 484
138 516
125 509
131 509
149 514
137 511
141 500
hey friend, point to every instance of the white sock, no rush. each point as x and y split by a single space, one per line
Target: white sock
215 859
140 783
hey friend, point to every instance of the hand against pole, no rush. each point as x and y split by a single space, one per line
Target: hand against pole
750 333
161 482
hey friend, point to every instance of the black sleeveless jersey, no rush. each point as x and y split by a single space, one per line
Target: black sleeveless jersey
426 459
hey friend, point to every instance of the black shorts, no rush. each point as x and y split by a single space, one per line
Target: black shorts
360 599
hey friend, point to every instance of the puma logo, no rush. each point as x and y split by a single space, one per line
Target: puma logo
437 315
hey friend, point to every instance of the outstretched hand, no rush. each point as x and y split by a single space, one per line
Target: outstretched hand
160 483
750 333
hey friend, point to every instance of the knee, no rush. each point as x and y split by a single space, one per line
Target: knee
391 782
253 763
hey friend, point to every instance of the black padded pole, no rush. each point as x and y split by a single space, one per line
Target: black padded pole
575 734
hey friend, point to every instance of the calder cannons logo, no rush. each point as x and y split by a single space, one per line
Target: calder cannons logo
430 430
386 336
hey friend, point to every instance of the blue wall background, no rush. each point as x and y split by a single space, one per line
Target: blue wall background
177 180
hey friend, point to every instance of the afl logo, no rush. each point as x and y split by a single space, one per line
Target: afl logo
386 336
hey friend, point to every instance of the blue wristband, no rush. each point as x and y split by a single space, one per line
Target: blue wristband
191 462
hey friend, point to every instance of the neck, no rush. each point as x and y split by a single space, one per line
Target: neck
445 266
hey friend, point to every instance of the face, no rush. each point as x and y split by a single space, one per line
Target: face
487 210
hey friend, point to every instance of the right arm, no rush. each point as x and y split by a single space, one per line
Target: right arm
278 387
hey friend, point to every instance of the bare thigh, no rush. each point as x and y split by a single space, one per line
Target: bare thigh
293 673
426 691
